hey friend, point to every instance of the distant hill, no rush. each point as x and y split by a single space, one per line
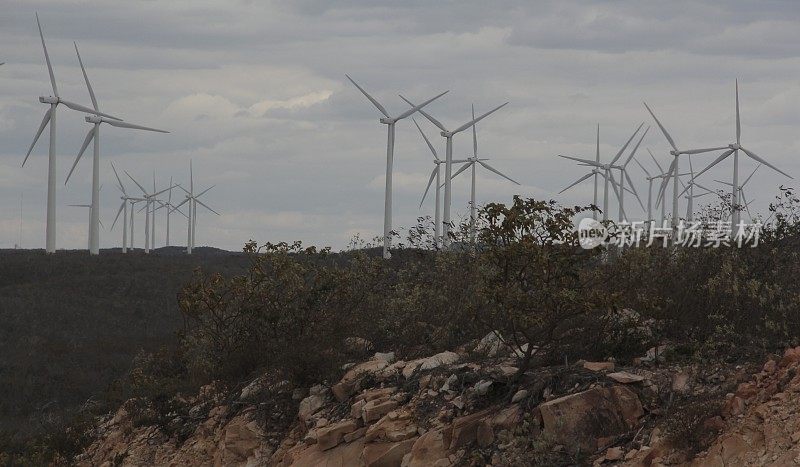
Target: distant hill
70 323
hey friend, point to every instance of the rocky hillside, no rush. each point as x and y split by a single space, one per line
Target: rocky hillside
471 407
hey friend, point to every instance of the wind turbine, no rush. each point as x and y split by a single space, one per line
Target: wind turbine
603 170
170 207
50 119
435 174
650 179
94 134
448 171
734 149
123 209
191 198
623 175
390 122
149 199
674 167
741 190
471 163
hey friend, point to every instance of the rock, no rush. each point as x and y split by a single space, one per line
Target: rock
625 378
464 430
343 390
427 450
354 435
578 420
253 389
387 357
492 345
519 395
357 408
342 455
481 388
357 344
379 393
453 379
655 353
386 454
330 436
680 382
614 454
240 439
443 358
770 366
375 409
599 366
484 435
394 426
310 405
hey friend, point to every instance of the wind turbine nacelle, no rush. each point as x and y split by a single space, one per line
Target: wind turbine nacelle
48 100
387 121
94 119
675 153
735 146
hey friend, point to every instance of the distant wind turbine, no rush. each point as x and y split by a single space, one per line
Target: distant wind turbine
734 149
605 171
448 171
94 134
623 175
435 176
123 209
471 163
390 122
50 118
193 201
150 199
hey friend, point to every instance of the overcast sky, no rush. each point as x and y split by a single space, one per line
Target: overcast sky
254 93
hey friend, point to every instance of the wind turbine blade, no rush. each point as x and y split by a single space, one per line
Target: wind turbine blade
171 186
435 156
83 108
430 181
636 148
758 159
135 127
585 161
700 151
167 189
716 161
662 190
723 182
121 207
489 167
204 191
738 120
632 187
47 58
371 99
180 204
642 167
205 206
191 178
576 182
663 130
655 160
418 107
137 183
121 186
704 188
476 120
86 78
425 114
751 175
463 168
626 144
44 123
474 135
86 141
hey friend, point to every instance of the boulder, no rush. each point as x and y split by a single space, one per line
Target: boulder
599 366
310 405
492 345
580 419
331 435
394 426
435 361
377 408
624 377
464 430
427 450
386 454
240 438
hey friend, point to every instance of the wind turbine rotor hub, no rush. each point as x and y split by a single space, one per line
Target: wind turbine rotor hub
735 146
48 100
94 119
675 153
446 134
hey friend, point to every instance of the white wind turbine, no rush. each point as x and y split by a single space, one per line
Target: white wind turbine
741 190
650 179
94 134
170 207
623 175
448 167
471 163
50 118
674 168
603 170
390 122
435 176
150 199
123 209
191 198
734 149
